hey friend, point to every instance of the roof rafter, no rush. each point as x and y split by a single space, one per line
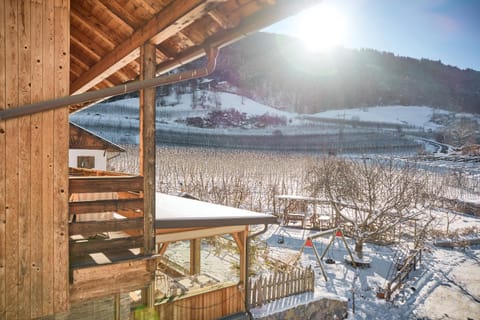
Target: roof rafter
256 21
166 23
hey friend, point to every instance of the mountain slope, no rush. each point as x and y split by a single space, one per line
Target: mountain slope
275 70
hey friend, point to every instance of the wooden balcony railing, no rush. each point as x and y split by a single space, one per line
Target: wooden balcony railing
106 216
106 234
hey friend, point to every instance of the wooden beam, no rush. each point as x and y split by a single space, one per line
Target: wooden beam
239 241
175 17
195 255
103 26
163 248
80 207
242 245
93 227
147 146
200 233
105 184
175 230
147 157
97 281
256 21
110 245
94 172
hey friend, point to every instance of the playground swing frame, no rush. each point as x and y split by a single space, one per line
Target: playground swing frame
337 231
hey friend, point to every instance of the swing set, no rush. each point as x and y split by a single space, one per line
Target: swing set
335 232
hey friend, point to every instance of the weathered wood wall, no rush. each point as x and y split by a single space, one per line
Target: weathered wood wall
207 306
34 66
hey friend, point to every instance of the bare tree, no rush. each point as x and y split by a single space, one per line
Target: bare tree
375 196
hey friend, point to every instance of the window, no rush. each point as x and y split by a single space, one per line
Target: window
87 162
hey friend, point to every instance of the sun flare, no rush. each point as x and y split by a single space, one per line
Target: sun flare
321 28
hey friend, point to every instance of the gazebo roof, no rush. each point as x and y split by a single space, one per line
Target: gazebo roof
178 212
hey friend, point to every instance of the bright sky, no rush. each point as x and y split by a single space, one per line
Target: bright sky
446 30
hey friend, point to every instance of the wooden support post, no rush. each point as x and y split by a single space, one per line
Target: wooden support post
147 158
241 241
328 246
117 302
147 146
319 260
195 258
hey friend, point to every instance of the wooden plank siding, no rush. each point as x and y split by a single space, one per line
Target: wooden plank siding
61 134
91 230
34 66
94 227
80 207
37 158
24 164
11 197
3 155
206 306
105 184
100 281
48 161
121 244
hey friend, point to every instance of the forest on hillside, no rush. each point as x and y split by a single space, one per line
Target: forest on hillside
275 70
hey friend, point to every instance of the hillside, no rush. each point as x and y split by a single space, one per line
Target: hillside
277 71
230 120
276 89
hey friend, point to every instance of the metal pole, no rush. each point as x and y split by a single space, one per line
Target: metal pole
113 91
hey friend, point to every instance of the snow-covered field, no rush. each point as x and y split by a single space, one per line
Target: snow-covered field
446 284
174 109
417 116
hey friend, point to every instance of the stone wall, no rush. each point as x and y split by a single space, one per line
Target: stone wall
324 308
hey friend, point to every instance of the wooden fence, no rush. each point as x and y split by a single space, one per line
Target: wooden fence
209 305
409 264
279 285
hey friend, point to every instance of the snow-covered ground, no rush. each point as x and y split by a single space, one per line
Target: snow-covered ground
417 116
446 285
173 108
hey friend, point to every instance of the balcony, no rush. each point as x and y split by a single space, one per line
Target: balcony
106 234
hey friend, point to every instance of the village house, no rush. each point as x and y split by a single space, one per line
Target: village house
90 151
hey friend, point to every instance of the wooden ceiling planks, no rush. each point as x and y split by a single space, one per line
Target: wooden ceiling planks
167 22
93 27
106 34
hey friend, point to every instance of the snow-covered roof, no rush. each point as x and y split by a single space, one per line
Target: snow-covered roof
82 138
178 212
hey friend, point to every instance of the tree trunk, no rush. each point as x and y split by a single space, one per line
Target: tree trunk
359 248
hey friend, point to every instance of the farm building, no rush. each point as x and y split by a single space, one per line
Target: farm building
59 56
88 150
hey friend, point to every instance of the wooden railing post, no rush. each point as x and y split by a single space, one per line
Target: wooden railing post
147 155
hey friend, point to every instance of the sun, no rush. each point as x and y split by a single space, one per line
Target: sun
321 28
